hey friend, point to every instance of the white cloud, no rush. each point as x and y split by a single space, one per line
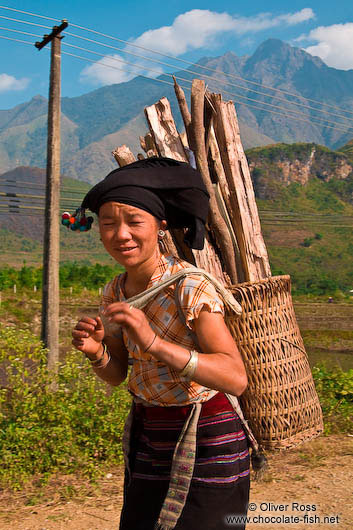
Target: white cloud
192 30
333 44
106 71
198 27
113 69
8 82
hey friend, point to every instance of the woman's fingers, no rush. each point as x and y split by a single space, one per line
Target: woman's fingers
88 320
99 324
78 344
77 334
117 307
86 324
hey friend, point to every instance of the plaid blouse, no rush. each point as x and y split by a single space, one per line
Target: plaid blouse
150 379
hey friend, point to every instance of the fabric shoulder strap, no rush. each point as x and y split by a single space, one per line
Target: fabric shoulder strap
141 300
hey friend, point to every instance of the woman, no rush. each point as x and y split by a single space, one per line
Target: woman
187 459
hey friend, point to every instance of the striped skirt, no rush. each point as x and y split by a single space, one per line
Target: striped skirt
220 482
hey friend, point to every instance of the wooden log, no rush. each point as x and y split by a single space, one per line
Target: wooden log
123 155
166 138
254 257
148 145
143 143
164 132
185 113
208 259
215 165
219 226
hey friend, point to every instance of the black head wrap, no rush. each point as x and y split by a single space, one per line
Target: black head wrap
166 188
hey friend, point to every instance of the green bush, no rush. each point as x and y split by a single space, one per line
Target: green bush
74 429
335 390
71 274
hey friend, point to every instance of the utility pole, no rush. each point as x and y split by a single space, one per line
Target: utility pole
51 293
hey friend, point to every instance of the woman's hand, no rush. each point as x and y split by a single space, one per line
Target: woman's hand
88 335
134 321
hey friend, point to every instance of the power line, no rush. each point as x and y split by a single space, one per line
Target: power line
25 22
142 67
186 62
222 82
121 69
335 220
326 123
186 88
189 72
234 100
207 68
28 13
34 185
17 31
329 124
16 40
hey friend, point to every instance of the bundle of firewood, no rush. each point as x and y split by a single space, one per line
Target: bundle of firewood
280 402
234 249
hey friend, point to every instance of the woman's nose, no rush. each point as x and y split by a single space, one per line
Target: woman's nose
122 232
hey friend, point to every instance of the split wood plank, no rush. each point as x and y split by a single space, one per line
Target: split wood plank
164 132
148 145
254 257
123 155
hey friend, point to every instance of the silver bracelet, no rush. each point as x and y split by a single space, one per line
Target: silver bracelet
97 363
102 366
98 359
190 367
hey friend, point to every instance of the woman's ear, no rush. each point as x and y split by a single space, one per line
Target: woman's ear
163 225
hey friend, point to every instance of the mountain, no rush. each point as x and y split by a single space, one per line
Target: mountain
95 123
275 167
347 150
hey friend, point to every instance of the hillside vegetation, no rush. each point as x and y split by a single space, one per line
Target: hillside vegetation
304 194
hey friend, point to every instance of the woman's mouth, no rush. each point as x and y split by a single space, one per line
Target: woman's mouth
125 250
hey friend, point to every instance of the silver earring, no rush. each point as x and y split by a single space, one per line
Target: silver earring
161 234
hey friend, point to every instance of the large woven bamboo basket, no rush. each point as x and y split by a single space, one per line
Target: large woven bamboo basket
280 403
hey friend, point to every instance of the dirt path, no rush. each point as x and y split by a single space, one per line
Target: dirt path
317 474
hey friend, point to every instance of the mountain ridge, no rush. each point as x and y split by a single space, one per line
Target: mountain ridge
91 121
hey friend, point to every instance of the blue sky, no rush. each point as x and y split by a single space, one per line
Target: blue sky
184 29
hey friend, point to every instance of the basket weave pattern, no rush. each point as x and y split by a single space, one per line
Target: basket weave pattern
280 403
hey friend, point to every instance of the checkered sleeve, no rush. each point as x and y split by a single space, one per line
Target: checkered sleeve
109 292
197 293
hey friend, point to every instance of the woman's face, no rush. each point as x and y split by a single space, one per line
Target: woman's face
129 234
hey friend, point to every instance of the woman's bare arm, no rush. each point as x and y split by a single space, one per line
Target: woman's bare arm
220 366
